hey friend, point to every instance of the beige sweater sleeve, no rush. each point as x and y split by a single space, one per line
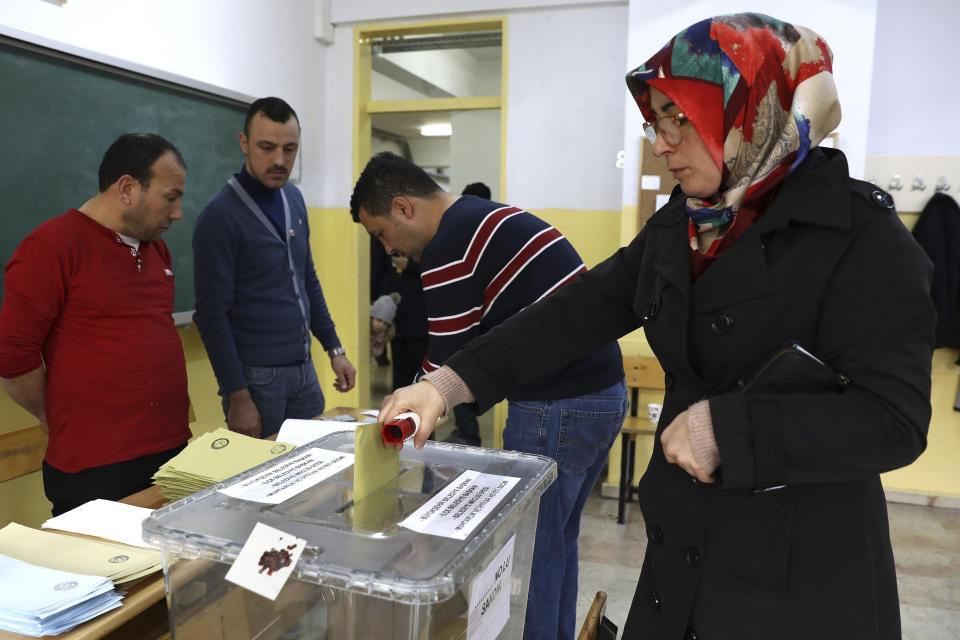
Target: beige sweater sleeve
451 386
702 440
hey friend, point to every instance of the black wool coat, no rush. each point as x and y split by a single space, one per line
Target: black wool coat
828 265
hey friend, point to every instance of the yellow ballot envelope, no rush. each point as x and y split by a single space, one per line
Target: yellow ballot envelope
118 562
376 467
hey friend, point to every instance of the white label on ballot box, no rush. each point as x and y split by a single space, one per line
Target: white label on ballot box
266 560
283 481
490 596
461 506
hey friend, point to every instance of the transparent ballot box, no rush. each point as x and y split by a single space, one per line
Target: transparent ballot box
370 568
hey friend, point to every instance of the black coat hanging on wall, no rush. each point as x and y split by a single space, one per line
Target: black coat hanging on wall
938 232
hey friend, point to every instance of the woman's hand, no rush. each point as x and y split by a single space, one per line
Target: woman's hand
423 399
676 448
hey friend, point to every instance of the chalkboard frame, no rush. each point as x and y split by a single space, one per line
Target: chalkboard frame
136 73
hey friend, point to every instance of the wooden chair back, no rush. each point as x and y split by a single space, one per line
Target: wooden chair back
591 625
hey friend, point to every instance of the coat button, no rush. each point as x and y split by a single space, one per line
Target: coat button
655 534
692 557
690 634
655 600
882 199
722 323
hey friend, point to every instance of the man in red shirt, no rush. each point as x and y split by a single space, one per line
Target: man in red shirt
87 341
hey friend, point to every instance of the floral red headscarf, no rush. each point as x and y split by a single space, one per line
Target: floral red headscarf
759 92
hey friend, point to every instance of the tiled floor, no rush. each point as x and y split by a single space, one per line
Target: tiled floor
926 544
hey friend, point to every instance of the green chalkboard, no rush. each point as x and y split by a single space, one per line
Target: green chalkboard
60 114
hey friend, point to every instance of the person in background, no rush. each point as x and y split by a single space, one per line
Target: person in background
478 189
257 293
87 341
482 263
764 510
408 347
382 314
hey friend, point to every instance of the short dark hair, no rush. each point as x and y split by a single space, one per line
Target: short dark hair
385 176
274 108
133 154
477 189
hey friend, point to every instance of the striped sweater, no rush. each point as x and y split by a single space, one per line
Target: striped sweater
489 261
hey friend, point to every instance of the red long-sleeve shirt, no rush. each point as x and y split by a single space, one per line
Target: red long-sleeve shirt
99 313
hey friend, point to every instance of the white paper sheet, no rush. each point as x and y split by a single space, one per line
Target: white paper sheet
662 199
650 182
38 601
266 560
461 506
300 432
286 480
490 596
105 519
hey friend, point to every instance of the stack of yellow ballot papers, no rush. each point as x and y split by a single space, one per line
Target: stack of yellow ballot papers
117 562
211 458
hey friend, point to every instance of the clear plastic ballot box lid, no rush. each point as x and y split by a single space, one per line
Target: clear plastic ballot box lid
362 547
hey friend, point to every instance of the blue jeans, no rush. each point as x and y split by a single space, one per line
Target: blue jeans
577 433
291 391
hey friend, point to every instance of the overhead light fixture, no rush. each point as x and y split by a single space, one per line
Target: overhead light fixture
436 130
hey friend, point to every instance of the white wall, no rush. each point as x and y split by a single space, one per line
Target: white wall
566 107
846 25
345 12
475 150
565 101
243 46
916 86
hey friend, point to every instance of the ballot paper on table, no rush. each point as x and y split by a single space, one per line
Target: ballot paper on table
211 458
300 432
105 519
39 601
119 563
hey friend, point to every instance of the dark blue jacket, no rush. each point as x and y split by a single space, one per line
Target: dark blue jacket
256 302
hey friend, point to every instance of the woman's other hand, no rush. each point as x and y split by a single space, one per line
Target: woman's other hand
676 448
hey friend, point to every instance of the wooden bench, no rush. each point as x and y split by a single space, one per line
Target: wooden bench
640 373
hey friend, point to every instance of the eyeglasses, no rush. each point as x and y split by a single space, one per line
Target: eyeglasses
667 126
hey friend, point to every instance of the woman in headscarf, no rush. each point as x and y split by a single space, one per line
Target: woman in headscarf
762 502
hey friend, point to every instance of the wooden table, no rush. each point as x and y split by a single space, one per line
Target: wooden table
143 614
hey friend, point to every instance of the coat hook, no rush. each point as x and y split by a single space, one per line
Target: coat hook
895 183
874 181
918 183
942 184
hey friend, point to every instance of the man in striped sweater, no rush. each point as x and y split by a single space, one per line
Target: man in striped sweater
482 262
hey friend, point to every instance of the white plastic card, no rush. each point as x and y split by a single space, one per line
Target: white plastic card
490 596
461 506
266 561
650 182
